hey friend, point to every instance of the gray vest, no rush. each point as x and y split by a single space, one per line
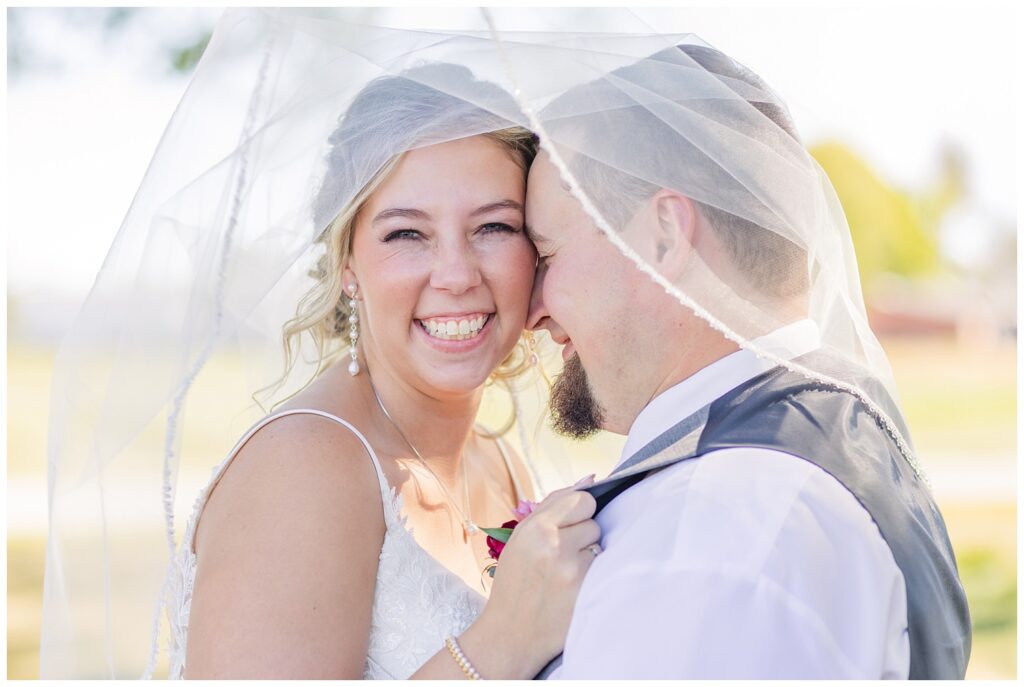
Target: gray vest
834 430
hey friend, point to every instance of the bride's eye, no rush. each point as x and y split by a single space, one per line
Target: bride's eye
401 234
499 227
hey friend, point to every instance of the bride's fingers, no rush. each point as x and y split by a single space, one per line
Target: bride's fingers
583 507
579 536
567 508
559 493
589 554
586 557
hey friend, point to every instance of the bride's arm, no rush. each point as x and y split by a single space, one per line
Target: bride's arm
287 555
273 600
527 615
492 652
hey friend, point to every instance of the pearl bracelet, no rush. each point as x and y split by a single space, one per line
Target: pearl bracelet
456 651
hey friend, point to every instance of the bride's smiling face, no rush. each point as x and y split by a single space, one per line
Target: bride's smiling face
444 265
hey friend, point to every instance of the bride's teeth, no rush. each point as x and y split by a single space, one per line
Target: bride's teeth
454 330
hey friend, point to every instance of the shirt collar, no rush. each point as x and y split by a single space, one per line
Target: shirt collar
715 380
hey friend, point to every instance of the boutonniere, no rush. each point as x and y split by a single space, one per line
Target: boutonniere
497 537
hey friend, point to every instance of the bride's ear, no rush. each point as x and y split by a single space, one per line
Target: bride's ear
349 280
674 233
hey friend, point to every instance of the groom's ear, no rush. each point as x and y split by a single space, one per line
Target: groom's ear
675 231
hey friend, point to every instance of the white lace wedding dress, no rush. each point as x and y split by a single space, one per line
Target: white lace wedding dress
417 601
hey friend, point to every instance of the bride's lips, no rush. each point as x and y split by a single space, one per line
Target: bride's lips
454 346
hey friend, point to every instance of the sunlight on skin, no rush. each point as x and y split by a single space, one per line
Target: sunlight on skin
112 115
981 527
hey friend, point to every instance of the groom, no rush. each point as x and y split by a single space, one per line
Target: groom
758 524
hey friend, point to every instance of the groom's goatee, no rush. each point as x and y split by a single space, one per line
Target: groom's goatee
574 410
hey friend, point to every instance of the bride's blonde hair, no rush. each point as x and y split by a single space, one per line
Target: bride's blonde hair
420 112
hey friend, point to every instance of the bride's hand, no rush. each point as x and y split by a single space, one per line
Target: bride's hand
539 576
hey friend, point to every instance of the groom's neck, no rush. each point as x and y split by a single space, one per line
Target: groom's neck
700 356
700 353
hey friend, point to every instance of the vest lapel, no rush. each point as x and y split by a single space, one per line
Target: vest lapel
672 446
677 443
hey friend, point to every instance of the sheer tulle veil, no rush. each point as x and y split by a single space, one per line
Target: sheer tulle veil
220 240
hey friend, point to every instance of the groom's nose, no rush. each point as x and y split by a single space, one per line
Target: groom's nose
538 312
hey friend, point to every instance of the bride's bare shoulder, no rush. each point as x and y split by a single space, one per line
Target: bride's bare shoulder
287 551
296 466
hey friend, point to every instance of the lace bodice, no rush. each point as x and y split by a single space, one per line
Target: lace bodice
417 601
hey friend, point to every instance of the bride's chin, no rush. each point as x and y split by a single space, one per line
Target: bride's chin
455 379
450 377
449 388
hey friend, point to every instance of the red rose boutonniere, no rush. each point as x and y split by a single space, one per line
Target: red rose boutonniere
497 537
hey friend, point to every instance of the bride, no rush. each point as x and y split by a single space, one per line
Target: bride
341 537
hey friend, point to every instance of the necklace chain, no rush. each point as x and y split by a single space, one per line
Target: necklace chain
468 526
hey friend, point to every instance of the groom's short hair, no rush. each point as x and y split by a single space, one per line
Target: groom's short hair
774 265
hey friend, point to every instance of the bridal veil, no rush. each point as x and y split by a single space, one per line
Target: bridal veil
220 240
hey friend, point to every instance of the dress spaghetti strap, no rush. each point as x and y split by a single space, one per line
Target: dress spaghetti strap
520 495
384 486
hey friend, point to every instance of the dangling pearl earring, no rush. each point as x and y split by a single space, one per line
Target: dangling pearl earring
353 331
531 347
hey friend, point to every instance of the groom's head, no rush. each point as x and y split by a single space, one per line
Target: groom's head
627 339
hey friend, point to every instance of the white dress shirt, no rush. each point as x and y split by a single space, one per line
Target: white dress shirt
743 563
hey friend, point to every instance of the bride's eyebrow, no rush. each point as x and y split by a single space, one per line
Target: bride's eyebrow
409 213
412 213
500 205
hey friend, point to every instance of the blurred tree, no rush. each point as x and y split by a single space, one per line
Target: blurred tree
948 190
36 37
185 58
893 231
116 18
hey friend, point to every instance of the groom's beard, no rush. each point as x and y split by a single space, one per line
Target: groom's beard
574 410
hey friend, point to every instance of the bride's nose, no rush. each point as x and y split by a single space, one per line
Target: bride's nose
456 268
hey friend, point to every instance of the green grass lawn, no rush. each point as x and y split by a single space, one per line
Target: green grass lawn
984 537
958 400
960 405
